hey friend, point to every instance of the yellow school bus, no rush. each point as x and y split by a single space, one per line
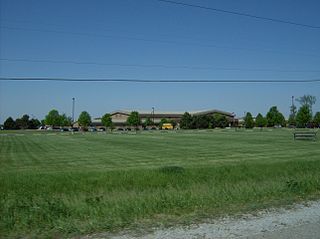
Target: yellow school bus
167 126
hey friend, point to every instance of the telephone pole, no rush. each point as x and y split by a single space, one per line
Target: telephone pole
293 107
153 115
73 105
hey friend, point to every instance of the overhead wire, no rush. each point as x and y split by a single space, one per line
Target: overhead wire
152 65
239 14
132 80
168 66
161 41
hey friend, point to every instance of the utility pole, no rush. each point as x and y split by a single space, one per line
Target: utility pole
293 107
73 104
153 115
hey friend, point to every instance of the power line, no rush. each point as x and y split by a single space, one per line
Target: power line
151 65
104 29
239 14
127 80
159 41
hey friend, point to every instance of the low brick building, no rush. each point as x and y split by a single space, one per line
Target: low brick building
119 117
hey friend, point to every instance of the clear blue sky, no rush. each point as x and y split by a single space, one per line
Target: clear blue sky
147 32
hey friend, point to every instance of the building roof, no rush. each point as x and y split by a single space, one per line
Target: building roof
198 112
148 113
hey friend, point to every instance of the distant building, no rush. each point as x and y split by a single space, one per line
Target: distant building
119 118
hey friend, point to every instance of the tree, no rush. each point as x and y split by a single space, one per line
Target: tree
64 120
219 120
53 118
84 119
281 120
134 119
274 117
304 116
316 119
200 121
34 124
261 121
106 121
292 120
23 122
173 122
292 116
248 121
148 122
293 110
307 100
186 121
9 124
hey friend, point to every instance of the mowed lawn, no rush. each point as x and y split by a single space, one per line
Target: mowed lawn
63 184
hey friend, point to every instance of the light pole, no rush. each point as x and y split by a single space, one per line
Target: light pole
153 115
73 104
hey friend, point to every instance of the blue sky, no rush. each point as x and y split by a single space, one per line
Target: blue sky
118 33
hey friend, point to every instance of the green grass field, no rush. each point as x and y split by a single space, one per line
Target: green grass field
61 185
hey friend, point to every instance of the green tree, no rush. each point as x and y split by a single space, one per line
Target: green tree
304 116
307 100
219 120
201 121
134 119
9 123
173 122
148 122
292 120
274 117
204 121
316 119
34 124
261 121
293 110
106 121
53 118
186 121
84 119
65 121
248 121
281 120
23 122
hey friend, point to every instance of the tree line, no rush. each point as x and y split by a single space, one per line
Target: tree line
21 123
53 119
303 117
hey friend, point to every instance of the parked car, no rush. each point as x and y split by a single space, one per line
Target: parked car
74 129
